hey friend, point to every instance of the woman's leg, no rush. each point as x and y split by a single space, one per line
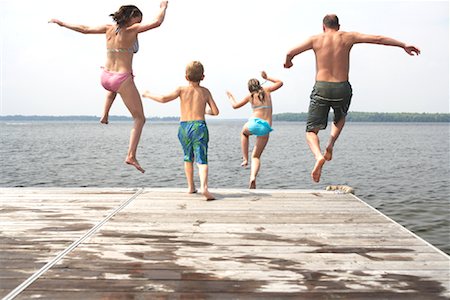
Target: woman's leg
261 142
110 96
132 100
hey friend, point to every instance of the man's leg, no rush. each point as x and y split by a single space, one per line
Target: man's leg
314 144
336 129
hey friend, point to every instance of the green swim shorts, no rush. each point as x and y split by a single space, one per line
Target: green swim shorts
326 95
194 138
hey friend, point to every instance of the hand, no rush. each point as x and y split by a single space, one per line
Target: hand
411 50
56 21
146 94
264 75
288 64
164 4
230 95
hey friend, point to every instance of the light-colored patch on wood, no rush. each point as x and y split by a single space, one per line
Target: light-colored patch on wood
247 244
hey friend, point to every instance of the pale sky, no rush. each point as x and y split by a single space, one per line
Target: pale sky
49 70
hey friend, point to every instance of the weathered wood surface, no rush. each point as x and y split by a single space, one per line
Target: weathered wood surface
263 244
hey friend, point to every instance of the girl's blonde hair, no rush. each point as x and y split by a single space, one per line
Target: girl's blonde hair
255 88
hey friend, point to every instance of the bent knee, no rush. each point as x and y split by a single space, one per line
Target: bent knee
140 119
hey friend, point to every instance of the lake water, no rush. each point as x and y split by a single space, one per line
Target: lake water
402 169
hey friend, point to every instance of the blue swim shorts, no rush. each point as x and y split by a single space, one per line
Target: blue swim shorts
258 127
194 137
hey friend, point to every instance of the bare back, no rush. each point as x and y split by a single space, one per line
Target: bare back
124 39
332 50
193 101
262 110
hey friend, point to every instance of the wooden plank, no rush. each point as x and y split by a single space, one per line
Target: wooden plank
74 295
42 215
264 244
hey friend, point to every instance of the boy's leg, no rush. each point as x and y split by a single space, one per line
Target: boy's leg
314 144
336 129
261 142
203 174
245 133
110 96
189 171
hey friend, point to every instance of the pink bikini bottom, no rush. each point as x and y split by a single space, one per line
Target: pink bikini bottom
111 81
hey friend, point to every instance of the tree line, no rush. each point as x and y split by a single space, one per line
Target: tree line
371 117
21 118
289 117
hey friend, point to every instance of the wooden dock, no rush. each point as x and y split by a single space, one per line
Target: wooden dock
92 243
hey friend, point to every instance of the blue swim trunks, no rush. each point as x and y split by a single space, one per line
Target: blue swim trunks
194 137
258 127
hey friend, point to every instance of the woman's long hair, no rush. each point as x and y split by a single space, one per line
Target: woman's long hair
125 13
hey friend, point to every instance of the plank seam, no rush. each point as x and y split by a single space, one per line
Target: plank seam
20 288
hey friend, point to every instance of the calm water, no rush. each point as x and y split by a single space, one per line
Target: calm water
401 169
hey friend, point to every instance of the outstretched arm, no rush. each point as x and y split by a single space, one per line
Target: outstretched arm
140 27
277 83
236 104
383 40
162 98
306 45
80 28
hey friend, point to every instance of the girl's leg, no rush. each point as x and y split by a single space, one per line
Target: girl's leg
244 145
203 174
132 100
261 142
189 171
110 96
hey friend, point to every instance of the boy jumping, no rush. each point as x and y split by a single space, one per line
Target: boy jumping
193 132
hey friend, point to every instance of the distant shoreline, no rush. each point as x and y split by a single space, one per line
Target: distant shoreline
373 117
287 117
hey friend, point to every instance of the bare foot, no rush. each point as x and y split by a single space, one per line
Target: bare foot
192 191
244 163
317 171
134 163
104 120
252 184
328 155
208 195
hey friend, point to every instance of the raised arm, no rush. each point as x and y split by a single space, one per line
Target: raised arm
141 27
81 28
163 98
276 82
306 45
236 104
383 40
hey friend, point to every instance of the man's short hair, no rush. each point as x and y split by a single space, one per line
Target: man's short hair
331 21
